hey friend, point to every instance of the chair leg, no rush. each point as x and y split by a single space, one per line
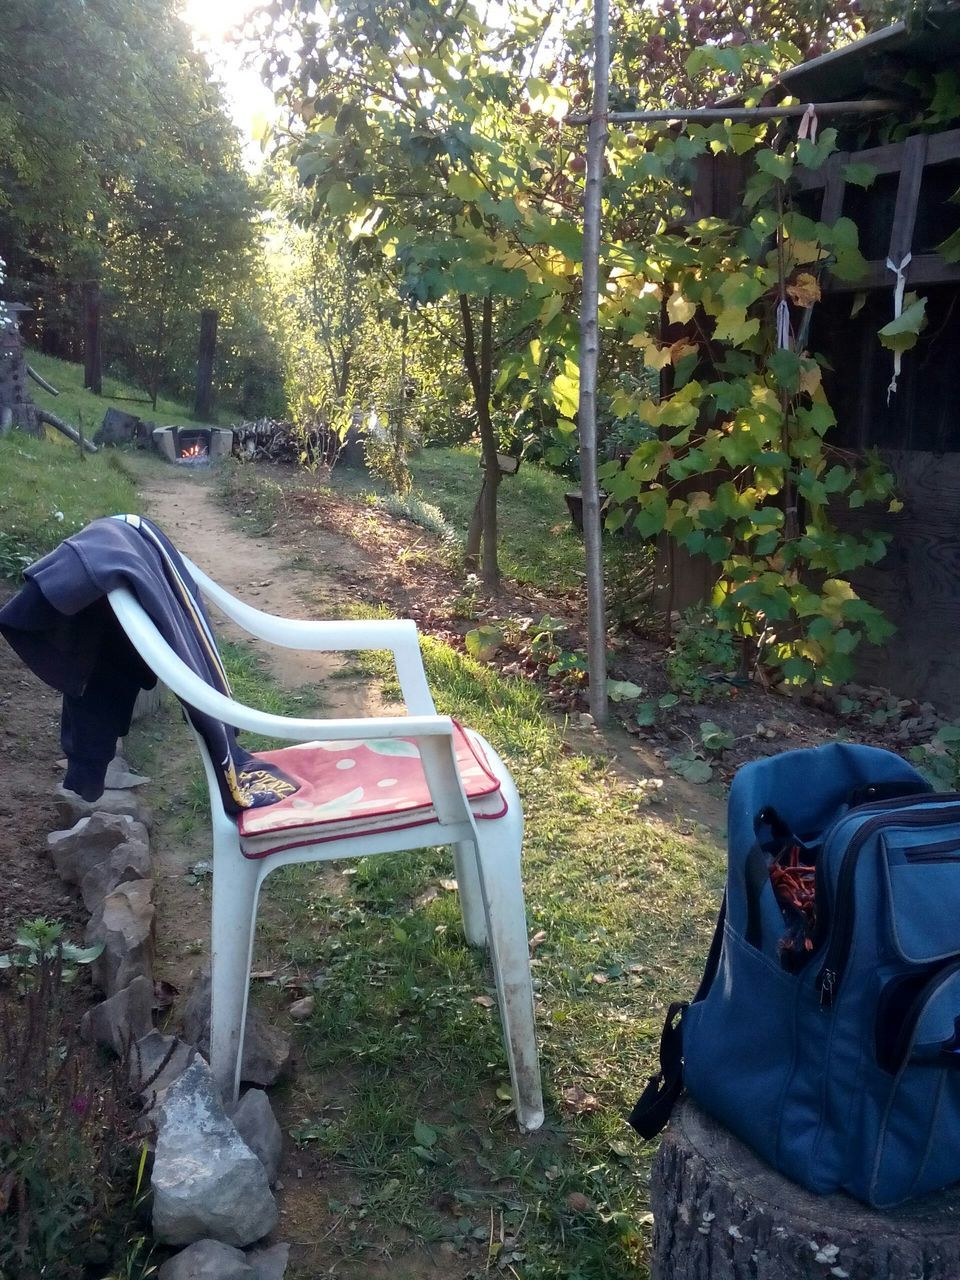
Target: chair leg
471 896
235 891
499 862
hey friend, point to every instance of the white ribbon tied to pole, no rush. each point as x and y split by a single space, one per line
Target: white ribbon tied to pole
783 325
809 124
898 292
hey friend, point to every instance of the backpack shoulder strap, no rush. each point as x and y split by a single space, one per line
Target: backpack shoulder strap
663 1090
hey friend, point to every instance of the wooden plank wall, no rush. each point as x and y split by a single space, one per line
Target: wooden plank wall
917 584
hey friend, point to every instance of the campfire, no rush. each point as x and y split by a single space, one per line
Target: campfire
192 452
192 446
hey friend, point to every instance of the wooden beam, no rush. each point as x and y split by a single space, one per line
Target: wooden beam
867 106
941 149
908 197
834 189
925 268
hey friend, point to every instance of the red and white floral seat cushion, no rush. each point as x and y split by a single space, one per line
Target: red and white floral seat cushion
360 787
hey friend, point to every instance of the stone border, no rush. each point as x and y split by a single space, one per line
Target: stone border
212 1169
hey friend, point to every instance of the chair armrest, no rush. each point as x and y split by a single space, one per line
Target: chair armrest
397 635
433 734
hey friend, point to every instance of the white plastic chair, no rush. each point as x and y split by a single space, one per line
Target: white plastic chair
486 853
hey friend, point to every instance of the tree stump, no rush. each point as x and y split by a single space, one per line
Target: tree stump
721 1214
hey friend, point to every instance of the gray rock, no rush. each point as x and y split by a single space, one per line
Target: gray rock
257 1126
266 1049
156 1061
124 924
120 777
128 861
207 1183
89 841
121 1020
208 1260
270 1263
71 808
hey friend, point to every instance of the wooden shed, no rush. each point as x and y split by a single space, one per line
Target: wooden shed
910 208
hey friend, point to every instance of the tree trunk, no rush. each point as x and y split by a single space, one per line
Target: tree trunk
205 352
589 355
479 367
92 361
471 555
721 1214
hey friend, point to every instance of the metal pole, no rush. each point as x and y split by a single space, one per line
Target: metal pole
589 351
869 106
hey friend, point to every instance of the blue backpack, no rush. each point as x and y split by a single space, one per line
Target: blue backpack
826 1031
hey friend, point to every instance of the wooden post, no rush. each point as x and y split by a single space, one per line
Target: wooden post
92 365
589 351
205 353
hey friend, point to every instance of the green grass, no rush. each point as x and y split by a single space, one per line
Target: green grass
538 544
73 401
47 492
423 1130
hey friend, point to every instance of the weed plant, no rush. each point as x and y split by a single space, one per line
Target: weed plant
67 1151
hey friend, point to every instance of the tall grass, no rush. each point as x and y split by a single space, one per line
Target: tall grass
48 492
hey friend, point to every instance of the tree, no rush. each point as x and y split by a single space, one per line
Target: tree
349 348
118 164
424 127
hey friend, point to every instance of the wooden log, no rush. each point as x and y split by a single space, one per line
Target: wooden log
44 415
42 382
721 1214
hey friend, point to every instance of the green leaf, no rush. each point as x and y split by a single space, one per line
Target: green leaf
714 738
623 690
646 714
785 367
902 333
667 700
340 199
859 175
691 768
424 1134
777 166
483 643
949 249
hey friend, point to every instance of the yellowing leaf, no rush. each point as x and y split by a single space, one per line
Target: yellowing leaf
810 379
682 348
733 326
804 290
804 250
657 357
680 309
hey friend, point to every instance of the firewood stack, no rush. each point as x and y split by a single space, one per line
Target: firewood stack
269 440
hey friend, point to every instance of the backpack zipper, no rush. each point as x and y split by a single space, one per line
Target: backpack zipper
841 924
934 852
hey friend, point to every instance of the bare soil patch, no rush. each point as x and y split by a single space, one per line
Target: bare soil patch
29 749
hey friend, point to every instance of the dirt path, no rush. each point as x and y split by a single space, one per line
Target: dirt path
264 571
259 571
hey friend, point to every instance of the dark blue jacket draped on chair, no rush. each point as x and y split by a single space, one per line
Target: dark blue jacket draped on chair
61 625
